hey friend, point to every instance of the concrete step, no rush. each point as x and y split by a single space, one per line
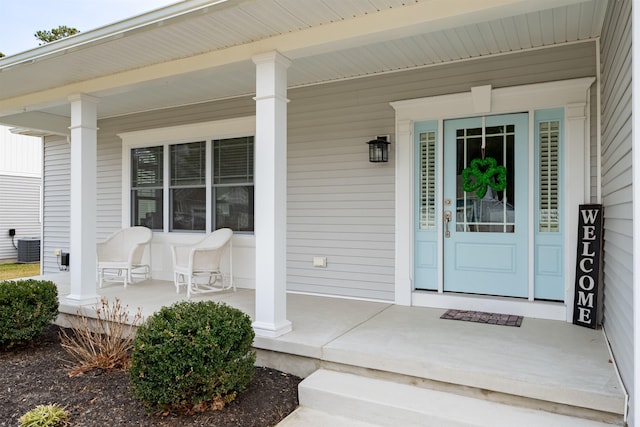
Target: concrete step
308 417
330 398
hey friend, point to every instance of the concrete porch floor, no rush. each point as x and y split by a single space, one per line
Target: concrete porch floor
544 364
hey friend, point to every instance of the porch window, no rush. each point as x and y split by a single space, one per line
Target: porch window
147 184
210 185
233 183
188 187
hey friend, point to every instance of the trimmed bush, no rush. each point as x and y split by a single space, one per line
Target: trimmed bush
192 357
27 307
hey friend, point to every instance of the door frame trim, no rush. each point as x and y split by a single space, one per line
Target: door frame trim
573 95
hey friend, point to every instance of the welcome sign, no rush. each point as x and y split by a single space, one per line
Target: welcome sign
588 290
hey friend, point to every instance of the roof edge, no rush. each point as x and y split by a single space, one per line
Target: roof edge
117 29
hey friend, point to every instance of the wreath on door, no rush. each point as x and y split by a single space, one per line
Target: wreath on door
482 174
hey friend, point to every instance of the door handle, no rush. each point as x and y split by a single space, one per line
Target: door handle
447 220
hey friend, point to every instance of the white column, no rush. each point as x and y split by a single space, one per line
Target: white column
271 195
82 248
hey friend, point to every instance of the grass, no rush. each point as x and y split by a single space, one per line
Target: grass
15 271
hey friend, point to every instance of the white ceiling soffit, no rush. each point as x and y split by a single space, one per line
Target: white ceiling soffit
202 52
561 25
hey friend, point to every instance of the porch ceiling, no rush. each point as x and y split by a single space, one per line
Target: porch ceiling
200 50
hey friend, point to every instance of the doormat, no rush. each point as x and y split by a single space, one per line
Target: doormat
482 317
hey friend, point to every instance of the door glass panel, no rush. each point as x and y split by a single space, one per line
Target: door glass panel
485 179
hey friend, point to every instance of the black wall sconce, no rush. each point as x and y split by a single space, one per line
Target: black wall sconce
379 149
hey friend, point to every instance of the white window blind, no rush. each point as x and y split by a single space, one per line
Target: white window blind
233 160
188 164
549 134
427 180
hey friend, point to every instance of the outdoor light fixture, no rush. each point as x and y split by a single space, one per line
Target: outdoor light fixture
379 149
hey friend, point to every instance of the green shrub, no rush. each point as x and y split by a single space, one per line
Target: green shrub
191 357
27 307
45 416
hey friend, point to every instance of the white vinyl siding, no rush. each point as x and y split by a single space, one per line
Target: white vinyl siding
56 200
617 188
20 155
109 196
20 183
20 210
340 206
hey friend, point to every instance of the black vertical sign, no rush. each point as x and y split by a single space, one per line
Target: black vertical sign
588 288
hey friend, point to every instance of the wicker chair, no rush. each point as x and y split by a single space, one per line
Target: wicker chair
198 266
120 256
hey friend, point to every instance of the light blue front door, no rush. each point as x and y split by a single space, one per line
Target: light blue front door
485 205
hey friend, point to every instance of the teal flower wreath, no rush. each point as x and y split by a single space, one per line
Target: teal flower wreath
482 174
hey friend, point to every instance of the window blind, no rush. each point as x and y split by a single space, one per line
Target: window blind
549 132
427 180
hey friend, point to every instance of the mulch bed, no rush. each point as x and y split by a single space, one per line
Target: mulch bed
37 375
